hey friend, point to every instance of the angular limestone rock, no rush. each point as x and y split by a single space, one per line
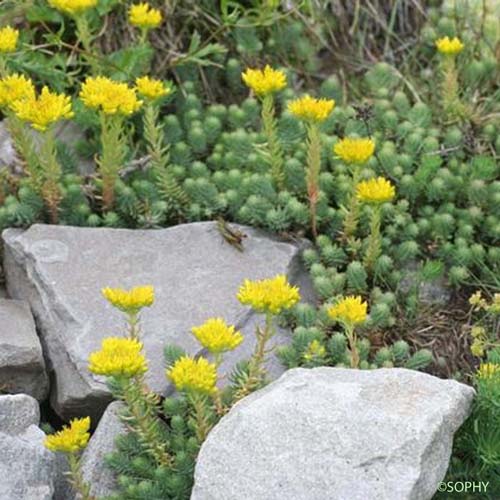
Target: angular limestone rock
22 368
335 433
61 270
27 468
100 477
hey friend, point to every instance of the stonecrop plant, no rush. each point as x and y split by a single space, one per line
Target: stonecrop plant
156 458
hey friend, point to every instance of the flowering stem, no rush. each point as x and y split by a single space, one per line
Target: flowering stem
153 134
275 151
374 243
256 371
313 170
142 406
351 219
203 425
23 144
85 37
51 175
217 397
112 157
351 337
76 478
3 66
133 324
454 109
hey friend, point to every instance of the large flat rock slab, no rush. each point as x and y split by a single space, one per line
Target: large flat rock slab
22 367
336 434
61 270
27 468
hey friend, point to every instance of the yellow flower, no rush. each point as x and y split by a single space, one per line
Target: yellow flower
130 301
71 438
15 88
266 81
143 15
150 88
488 371
73 7
216 336
118 357
111 97
494 307
477 348
8 39
197 375
478 331
354 150
269 295
314 351
449 47
43 111
350 310
377 190
310 109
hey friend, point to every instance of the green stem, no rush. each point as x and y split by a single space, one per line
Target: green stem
453 107
256 371
23 144
81 487
375 242
113 154
274 148
143 409
352 339
313 171
203 425
352 216
52 172
217 396
133 325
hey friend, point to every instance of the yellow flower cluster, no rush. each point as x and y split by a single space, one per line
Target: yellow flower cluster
378 190
150 88
310 109
71 438
216 336
8 39
193 375
143 15
264 82
111 97
449 47
488 370
314 351
130 301
353 150
15 88
118 357
73 7
269 295
43 111
351 310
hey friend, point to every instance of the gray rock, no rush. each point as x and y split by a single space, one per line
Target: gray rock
95 472
437 292
22 368
27 468
61 270
7 153
335 433
17 413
